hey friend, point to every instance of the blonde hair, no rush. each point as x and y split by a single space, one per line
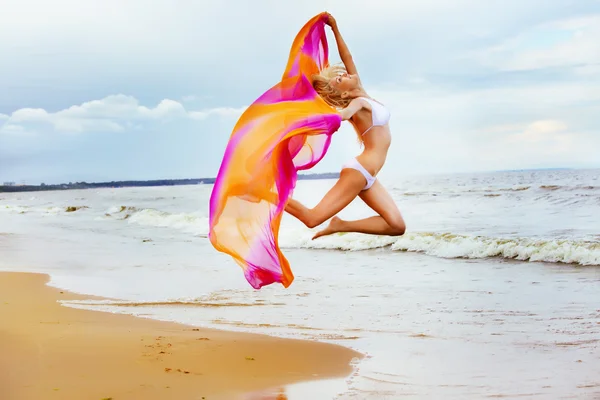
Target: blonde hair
321 84
331 96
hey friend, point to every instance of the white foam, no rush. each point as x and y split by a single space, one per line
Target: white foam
195 223
439 244
15 209
423 319
448 245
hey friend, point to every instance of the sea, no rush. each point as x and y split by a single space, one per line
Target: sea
493 292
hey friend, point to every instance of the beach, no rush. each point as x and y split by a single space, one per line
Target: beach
54 352
493 292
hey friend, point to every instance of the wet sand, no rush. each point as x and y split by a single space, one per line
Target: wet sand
51 351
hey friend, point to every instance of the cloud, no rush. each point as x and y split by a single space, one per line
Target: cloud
572 42
587 70
203 47
540 129
472 85
438 128
220 111
436 107
111 114
11 129
544 143
552 134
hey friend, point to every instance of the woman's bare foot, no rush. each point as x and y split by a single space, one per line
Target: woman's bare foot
333 227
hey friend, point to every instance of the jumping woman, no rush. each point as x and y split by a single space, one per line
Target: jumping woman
341 88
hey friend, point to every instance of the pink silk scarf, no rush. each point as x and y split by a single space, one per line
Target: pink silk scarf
285 130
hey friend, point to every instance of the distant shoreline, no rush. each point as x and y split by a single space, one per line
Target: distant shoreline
137 183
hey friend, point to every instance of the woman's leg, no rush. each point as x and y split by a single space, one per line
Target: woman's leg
388 222
346 189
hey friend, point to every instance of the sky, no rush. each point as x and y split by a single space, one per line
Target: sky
128 89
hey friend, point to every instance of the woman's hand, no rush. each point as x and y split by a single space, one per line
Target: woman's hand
331 21
342 47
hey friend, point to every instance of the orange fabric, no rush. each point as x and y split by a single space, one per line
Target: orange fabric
285 130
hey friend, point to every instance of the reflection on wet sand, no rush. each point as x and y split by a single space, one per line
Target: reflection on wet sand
320 389
271 394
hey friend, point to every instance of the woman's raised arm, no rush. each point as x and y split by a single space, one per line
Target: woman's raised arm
342 47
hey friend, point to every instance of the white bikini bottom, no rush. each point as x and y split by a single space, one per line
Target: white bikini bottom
354 164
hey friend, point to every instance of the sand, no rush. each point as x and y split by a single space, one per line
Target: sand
49 351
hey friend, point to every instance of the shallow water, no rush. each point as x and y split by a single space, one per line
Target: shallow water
494 291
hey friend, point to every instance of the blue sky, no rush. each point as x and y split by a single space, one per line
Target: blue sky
114 90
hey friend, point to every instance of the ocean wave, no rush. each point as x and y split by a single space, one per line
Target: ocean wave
120 212
298 238
443 245
70 209
195 223
170 303
551 187
15 209
455 191
53 210
487 190
449 245
513 189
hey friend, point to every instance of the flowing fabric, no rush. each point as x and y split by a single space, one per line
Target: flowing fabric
285 130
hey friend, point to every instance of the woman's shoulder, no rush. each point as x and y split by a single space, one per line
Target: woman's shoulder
357 108
363 102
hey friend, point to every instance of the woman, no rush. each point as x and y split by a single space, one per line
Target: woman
341 87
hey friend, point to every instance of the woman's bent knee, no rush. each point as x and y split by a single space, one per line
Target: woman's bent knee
398 226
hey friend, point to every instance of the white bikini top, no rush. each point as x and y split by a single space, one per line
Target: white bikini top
380 114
